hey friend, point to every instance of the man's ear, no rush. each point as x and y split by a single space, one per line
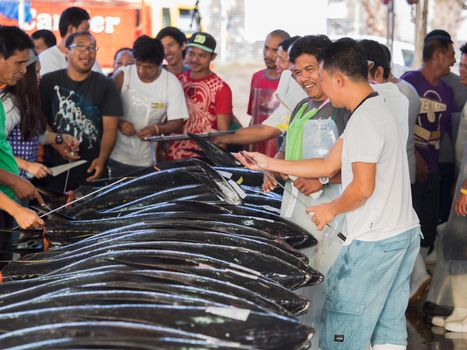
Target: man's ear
214 55
71 29
339 79
379 74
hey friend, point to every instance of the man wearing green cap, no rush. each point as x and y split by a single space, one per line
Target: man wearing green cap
208 97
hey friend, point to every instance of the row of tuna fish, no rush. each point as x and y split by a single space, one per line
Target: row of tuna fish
190 257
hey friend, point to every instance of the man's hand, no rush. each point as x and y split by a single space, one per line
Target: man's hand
27 219
71 143
25 190
461 205
98 166
38 170
149 130
126 128
421 168
321 215
65 152
307 186
253 160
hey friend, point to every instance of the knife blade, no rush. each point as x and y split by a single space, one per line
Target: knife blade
59 169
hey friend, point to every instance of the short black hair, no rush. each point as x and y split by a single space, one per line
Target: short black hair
374 52
121 50
310 44
434 44
464 49
46 35
13 39
280 33
72 16
388 53
285 44
71 38
147 49
347 57
174 33
437 33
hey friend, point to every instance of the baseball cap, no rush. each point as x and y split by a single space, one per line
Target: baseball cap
203 41
437 34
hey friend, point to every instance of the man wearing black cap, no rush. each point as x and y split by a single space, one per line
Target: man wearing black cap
433 124
208 97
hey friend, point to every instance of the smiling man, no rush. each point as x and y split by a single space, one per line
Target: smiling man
73 19
208 97
174 42
85 104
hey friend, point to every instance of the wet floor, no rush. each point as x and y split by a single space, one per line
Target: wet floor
423 336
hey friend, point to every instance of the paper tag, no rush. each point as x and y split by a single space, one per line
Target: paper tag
230 312
316 195
225 174
237 189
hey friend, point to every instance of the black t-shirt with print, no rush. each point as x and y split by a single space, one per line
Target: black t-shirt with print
76 108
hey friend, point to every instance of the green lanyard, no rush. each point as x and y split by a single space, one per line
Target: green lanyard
293 146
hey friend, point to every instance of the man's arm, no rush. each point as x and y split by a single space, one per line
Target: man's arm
109 136
312 168
246 136
224 121
22 187
354 196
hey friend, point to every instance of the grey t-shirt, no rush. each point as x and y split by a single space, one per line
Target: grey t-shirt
414 107
339 115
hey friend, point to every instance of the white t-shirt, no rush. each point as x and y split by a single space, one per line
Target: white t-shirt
146 104
12 117
53 59
372 136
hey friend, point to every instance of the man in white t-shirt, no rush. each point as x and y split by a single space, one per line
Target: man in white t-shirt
153 104
367 288
73 19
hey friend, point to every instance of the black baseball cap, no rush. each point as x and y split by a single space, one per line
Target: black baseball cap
438 34
203 41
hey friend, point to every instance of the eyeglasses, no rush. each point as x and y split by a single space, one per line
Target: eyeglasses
83 48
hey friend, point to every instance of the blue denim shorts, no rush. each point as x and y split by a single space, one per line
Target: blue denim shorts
367 291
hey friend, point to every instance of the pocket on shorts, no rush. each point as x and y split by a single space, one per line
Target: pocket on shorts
344 326
394 245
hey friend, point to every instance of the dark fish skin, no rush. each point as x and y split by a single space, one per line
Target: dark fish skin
63 335
216 155
283 272
88 296
155 182
269 248
67 230
166 281
267 288
261 330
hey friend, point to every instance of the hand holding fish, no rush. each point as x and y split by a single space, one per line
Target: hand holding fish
38 170
253 160
321 214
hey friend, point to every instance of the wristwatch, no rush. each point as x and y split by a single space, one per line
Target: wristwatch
324 180
59 139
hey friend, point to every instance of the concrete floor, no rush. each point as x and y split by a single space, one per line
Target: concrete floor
423 336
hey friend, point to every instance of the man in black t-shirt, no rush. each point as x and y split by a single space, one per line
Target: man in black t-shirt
85 104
